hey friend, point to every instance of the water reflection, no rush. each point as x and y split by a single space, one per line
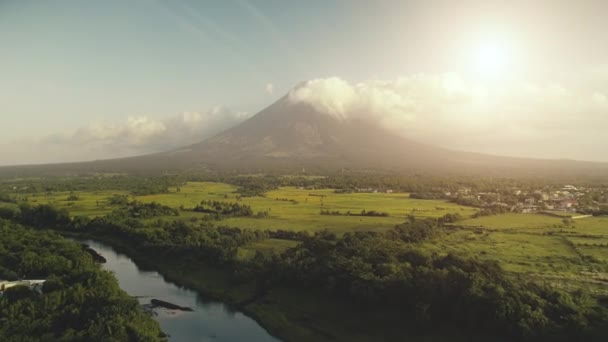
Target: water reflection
210 321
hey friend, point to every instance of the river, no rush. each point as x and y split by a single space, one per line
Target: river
210 320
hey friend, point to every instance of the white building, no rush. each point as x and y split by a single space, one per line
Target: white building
32 284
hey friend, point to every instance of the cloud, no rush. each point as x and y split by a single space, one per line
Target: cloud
552 120
600 99
566 118
134 136
380 99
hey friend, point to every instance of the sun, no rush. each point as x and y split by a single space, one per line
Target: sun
491 59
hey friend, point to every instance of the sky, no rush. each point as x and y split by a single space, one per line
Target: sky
83 80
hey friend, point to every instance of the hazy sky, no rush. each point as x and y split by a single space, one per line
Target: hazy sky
95 79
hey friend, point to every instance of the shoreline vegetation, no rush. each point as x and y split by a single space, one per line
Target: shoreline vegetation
216 283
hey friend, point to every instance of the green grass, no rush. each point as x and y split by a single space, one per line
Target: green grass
305 214
535 245
592 225
513 221
538 246
91 204
589 240
516 252
562 214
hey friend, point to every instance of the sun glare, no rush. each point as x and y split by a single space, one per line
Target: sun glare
491 59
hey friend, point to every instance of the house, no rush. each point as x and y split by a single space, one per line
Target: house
34 285
465 191
528 209
566 204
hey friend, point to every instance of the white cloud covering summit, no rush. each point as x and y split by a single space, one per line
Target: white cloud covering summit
517 118
567 119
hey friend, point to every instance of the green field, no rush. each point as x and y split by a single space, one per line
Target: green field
539 246
513 221
90 204
284 214
305 213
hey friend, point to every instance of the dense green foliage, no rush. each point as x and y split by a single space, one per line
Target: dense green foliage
146 210
388 272
79 301
135 185
427 195
348 213
405 272
493 210
6 198
424 185
43 215
380 272
219 209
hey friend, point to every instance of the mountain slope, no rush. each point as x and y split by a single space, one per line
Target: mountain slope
290 136
295 135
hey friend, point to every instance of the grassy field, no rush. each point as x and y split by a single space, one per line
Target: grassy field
538 246
513 221
90 204
289 208
297 209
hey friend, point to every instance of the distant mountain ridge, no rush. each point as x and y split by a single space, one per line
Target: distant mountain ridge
291 136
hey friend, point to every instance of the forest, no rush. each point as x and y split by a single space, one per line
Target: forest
383 272
78 301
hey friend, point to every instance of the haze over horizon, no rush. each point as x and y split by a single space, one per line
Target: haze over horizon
518 79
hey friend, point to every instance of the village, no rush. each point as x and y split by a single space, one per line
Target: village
559 201
564 200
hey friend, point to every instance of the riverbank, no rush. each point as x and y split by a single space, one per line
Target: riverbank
219 284
291 315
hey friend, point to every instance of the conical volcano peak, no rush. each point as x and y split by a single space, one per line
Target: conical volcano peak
327 124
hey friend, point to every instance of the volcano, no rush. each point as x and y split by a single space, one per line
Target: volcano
296 134
291 136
